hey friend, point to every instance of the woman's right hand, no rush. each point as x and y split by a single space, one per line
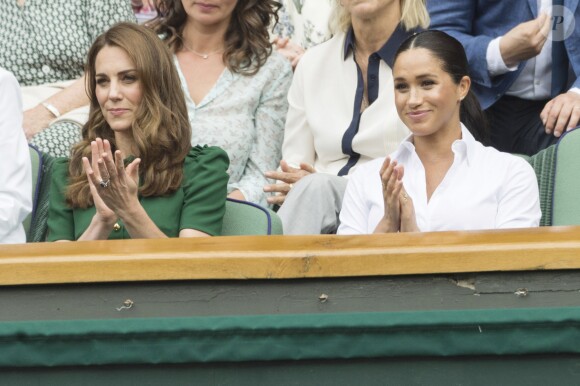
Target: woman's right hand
103 213
289 176
391 176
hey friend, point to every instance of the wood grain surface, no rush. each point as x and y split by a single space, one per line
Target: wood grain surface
287 257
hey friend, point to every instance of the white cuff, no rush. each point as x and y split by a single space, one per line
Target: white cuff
575 89
495 64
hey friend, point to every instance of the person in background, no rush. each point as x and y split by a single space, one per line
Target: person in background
441 177
303 24
235 85
15 173
44 44
144 10
342 111
525 65
135 174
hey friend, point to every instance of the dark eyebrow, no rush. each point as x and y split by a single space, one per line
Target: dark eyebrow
422 76
125 72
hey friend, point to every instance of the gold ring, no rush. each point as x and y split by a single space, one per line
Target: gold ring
405 197
291 186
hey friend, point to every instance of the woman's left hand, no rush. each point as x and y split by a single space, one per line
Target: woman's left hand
119 190
408 217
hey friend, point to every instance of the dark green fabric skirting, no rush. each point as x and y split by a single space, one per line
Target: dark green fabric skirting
290 337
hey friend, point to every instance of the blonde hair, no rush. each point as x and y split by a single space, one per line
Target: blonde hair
413 14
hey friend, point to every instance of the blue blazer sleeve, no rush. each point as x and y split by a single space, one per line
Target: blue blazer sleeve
475 24
572 43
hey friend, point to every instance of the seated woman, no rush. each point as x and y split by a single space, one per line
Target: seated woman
15 173
303 24
235 86
137 110
441 177
44 44
342 111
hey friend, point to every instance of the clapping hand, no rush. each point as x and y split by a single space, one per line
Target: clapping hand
399 212
114 188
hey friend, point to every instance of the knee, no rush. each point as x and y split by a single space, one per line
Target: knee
315 182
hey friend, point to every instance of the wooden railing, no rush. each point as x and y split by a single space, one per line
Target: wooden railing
285 257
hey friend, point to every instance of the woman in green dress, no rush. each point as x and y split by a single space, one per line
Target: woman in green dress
135 174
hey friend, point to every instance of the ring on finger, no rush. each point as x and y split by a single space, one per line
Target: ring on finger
405 197
104 183
291 186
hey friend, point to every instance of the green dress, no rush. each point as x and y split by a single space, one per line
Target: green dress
199 203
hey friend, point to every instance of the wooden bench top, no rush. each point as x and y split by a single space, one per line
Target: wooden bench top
287 257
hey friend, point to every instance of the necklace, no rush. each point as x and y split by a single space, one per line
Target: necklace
203 56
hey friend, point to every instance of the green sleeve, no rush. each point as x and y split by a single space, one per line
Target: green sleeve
205 189
60 215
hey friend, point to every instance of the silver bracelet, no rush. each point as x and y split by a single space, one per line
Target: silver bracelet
54 111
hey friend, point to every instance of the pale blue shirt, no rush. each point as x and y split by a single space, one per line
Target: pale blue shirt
244 115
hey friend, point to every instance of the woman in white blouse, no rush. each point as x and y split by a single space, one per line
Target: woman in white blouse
441 177
341 110
235 85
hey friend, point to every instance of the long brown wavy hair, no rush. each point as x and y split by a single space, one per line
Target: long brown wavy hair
161 129
247 40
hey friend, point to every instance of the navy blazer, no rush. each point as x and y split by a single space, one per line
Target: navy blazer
475 23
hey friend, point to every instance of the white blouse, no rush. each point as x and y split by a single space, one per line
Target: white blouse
321 109
483 189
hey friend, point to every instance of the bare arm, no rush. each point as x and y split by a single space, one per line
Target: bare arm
39 117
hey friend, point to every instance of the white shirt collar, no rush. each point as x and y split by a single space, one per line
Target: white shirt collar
463 147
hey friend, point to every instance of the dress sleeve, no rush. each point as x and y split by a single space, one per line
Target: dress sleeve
205 190
269 120
60 215
298 143
519 197
101 15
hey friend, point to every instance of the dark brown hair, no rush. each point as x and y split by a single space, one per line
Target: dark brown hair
161 129
247 40
449 51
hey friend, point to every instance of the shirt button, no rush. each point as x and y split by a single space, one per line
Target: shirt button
116 227
46 69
